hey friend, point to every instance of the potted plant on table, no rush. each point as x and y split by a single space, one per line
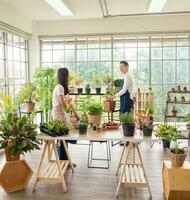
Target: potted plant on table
88 89
128 124
97 83
27 94
95 113
83 125
18 136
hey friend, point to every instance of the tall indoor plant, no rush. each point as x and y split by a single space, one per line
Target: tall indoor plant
45 81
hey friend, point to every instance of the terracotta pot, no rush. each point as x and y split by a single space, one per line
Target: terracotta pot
94 119
109 105
177 159
10 157
31 107
174 114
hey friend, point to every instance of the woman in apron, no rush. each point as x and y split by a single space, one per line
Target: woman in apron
60 101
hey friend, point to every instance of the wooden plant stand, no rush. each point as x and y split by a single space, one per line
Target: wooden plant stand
15 175
176 181
55 170
132 173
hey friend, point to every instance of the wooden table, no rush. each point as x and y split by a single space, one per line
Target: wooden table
130 173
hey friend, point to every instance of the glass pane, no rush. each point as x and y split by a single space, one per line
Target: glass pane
131 53
70 44
47 45
22 43
93 55
16 53
143 53
9 39
82 43
58 55
157 89
16 41
93 43
130 42
81 55
44 64
143 42
69 55
156 53
10 69
169 41
1 51
58 44
23 71
105 42
17 70
182 52
168 72
23 55
70 66
169 53
182 71
143 72
10 53
118 42
105 54
118 54
133 71
182 41
156 72
47 56
116 71
2 75
156 42
1 37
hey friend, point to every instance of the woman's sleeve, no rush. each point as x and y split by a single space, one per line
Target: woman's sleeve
60 91
124 88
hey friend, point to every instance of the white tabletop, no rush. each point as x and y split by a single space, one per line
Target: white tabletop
111 135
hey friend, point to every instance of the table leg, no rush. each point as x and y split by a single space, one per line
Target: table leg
39 166
68 155
124 149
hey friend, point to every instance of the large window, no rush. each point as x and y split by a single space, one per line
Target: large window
13 62
160 62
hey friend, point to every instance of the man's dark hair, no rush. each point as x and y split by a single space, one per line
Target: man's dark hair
125 63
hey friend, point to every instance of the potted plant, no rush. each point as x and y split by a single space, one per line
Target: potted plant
97 83
164 132
146 120
79 82
83 125
128 124
184 89
18 136
87 88
117 84
174 112
27 94
72 82
176 154
187 119
95 113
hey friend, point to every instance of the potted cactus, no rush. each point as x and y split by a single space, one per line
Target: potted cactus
88 88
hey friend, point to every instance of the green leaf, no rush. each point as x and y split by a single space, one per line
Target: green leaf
14 151
21 144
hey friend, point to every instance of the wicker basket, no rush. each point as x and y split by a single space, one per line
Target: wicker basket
177 159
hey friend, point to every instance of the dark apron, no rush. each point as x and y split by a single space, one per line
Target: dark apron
126 103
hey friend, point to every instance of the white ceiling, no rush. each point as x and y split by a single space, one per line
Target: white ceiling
83 9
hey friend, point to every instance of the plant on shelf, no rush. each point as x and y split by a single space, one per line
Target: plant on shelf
45 81
94 113
18 136
128 124
176 154
27 94
88 88
174 112
187 119
72 82
79 81
97 82
54 128
145 120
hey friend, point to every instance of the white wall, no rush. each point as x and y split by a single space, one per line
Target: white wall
13 17
116 25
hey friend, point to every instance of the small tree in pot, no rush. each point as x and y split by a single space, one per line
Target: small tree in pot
128 124
27 94
95 113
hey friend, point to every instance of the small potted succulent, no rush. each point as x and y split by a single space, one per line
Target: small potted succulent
128 124
163 132
79 82
187 119
97 83
174 112
184 89
176 154
183 99
95 113
88 88
83 124
27 94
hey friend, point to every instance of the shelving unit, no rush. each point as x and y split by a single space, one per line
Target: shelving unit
175 103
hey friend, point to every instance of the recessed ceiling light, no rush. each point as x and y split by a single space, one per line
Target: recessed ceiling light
60 7
156 5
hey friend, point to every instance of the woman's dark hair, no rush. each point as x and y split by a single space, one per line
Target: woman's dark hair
125 63
63 78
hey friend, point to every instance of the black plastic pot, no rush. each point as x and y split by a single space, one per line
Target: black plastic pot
98 90
166 144
147 132
79 90
82 129
88 90
128 130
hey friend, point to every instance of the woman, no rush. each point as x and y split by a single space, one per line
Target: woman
60 101
126 103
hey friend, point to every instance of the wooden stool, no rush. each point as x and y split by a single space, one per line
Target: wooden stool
176 181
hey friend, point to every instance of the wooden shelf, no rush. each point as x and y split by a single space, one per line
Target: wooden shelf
178 102
134 175
179 92
84 94
171 116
